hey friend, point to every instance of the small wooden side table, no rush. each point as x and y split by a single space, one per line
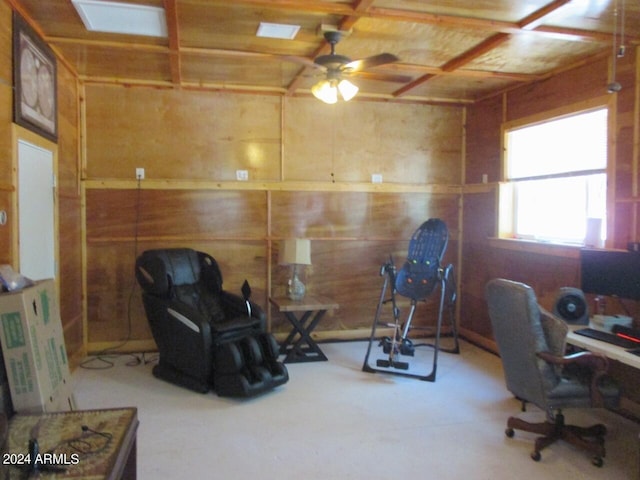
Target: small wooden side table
83 444
299 346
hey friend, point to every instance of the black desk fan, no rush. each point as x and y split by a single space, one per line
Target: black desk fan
571 305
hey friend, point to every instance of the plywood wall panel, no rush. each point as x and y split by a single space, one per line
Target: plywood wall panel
6 237
6 41
176 213
572 86
114 312
178 134
479 224
6 147
351 229
357 214
68 128
483 153
626 118
626 225
348 142
70 217
70 267
349 273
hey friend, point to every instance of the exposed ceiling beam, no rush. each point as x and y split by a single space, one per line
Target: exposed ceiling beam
171 15
485 46
534 19
475 52
146 47
531 22
457 62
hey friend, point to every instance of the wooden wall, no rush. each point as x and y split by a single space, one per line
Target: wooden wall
7 186
68 191
310 169
545 268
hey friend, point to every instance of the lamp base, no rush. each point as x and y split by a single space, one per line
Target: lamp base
296 288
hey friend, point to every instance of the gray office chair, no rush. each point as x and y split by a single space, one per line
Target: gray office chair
531 343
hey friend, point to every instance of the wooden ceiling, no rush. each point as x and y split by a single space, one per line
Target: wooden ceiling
451 51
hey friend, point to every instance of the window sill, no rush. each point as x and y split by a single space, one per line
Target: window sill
531 246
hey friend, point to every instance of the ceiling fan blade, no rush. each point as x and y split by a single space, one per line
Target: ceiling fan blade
370 62
383 77
306 62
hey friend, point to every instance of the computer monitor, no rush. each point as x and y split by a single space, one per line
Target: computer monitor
610 272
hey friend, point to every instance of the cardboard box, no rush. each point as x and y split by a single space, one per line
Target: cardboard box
33 348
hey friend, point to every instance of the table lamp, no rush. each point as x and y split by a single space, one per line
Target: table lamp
295 251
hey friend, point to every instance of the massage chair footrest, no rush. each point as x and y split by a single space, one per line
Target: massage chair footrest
248 367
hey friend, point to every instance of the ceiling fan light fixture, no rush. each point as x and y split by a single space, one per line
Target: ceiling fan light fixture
347 89
326 91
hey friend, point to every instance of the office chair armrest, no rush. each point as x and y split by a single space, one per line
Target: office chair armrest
594 361
597 363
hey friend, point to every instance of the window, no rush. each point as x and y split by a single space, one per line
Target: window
555 173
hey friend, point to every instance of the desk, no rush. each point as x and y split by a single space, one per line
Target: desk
104 451
612 352
311 310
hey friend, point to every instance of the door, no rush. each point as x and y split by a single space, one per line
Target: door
36 211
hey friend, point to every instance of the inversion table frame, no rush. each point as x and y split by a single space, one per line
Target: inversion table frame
400 344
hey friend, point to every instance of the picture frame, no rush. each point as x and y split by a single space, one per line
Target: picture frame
35 93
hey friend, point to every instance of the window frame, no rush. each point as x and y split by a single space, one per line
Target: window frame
506 196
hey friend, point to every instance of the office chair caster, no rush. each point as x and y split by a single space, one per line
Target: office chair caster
535 456
597 461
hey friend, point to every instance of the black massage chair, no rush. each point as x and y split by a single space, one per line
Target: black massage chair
207 337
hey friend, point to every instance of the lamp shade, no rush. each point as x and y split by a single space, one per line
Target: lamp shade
295 251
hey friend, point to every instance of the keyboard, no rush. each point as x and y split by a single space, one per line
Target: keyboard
611 338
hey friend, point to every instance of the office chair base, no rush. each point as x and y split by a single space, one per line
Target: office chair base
590 439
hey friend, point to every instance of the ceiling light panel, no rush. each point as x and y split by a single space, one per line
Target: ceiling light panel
125 18
277 30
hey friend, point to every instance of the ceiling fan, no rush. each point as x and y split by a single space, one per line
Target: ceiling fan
339 66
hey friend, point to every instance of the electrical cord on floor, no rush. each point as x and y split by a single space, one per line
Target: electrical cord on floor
105 361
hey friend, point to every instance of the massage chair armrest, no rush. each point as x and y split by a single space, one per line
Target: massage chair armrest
596 363
235 306
189 319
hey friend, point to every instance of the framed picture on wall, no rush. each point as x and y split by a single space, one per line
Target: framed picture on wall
35 104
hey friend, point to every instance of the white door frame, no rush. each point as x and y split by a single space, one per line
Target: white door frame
21 134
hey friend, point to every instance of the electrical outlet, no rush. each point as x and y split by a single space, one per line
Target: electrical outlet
139 173
242 175
376 178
